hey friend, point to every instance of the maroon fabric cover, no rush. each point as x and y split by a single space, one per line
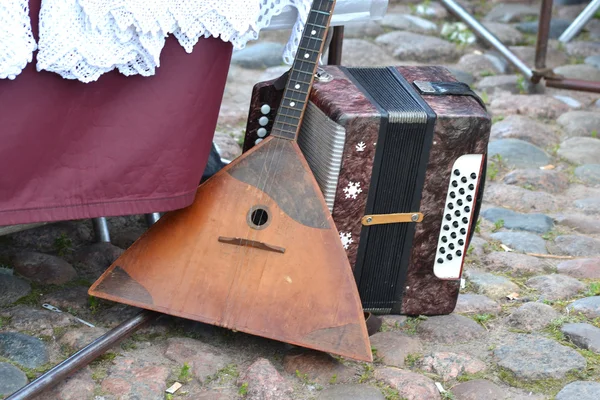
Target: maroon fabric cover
118 146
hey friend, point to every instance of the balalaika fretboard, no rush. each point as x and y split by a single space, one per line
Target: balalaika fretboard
301 75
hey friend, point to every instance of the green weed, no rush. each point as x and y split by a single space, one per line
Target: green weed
483 318
243 390
470 250
545 386
550 235
411 324
99 374
225 374
63 245
129 344
593 289
521 84
367 374
388 392
93 303
495 164
499 224
411 359
303 377
184 374
470 377
4 321
497 118
493 245
485 97
448 396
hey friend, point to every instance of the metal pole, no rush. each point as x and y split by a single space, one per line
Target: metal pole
487 36
101 229
541 48
574 84
580 21
83 357
335 48
151 219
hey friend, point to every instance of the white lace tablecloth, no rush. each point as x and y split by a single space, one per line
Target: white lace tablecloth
83 39
16 40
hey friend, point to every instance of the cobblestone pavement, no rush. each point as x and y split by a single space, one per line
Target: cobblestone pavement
525 327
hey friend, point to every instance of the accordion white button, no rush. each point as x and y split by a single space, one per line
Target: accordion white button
263 121
258 141
262 132
265 109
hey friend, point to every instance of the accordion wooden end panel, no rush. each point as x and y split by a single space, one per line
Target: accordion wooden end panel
396 144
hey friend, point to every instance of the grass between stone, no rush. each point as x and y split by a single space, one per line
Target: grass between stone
481 319
409 327
243 390
31 373
4 321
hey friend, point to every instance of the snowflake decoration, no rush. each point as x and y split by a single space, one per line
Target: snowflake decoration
352 190
361 146
346 239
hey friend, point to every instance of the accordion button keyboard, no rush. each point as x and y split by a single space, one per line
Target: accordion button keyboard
452 240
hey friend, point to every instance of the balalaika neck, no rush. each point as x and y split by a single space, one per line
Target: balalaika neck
301 75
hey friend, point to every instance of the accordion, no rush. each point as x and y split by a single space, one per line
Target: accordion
399 154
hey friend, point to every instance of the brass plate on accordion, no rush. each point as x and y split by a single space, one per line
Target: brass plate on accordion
381 219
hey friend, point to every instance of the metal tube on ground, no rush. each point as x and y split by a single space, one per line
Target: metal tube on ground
83 357
574 84
580 21
101 229
541 48
487 36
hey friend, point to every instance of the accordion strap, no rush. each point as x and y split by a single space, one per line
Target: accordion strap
447 89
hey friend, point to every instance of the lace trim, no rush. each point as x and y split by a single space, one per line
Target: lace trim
16 40
83 39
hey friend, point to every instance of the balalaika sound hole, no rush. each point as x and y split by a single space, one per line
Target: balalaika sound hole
258 217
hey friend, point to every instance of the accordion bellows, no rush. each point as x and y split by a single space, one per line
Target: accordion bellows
379 145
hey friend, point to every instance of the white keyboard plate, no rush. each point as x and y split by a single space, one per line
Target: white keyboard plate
458 216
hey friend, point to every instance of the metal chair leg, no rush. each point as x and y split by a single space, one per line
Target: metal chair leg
481 31
580 21
151 219
101 229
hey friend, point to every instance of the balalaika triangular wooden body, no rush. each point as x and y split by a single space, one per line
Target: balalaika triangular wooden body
299 289
257 251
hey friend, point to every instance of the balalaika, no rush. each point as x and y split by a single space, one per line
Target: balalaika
399 154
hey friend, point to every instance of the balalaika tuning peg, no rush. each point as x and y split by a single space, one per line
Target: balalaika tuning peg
323 76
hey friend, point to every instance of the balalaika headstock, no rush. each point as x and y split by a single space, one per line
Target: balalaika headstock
301 75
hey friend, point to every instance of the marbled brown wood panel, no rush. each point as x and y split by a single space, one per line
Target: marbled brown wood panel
462 127
262 93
